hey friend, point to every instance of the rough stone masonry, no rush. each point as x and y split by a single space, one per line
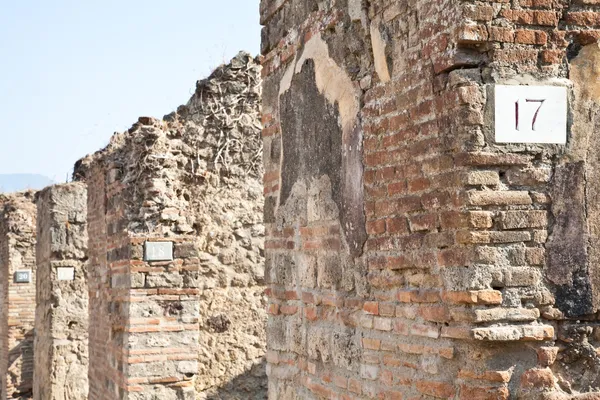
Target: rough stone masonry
409 255
17 294
61 315
176 274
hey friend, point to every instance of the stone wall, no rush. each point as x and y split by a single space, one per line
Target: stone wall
17 309
194 324
61 320
409 255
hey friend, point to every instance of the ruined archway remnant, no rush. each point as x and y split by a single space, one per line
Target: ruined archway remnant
61 315
408 253
17 293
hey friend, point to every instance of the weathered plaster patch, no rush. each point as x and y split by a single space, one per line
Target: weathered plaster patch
573 247
585 73
567 256
379 54
331 79
322 136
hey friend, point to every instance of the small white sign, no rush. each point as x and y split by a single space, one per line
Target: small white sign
531 114
23 276
65 273
158 251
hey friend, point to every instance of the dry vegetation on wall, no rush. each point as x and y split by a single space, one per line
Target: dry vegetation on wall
197 173
212 142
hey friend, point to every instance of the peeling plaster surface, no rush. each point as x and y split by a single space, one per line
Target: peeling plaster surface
585 72
379 45
332 81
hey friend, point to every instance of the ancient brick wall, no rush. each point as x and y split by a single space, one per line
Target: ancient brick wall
61 320
409 255
17 309
99 332
189 324
140 343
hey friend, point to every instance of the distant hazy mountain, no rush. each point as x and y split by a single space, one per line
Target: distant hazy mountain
16 182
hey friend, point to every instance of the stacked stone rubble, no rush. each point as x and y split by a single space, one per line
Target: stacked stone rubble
61 320
194 324
17 307
409 255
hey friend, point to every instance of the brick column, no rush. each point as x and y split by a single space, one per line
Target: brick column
17 294
176 249
100 382
144 335
410 252
61 325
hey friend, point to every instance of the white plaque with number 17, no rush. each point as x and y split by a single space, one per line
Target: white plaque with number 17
531 114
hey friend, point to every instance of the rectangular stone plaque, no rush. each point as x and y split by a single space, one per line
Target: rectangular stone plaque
23 276
158 251
531 114
65 273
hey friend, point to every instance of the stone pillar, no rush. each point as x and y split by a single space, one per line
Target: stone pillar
17 294
61 323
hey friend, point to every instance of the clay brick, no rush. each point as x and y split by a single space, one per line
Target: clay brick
528 176
473 34
535 255
552 56
538 379
491 159
470 95
473 297
478 392
515 56
547 356
396 225
531 37
489 376
485 237
514 333
505 35
434 314
499 198
531 17
583 18
382 324
371 307
480 219
539 3
430 331
482 12
425 222
488 178
369 372
376 227
436 389
371 344
523 219
507 314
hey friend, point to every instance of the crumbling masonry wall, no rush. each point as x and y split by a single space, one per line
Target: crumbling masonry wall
61 320
17 309
191 326
143 341
409 255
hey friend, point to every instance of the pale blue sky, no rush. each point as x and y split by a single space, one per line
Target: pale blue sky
73 72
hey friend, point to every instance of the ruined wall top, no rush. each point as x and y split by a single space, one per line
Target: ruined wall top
211 142
18 210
